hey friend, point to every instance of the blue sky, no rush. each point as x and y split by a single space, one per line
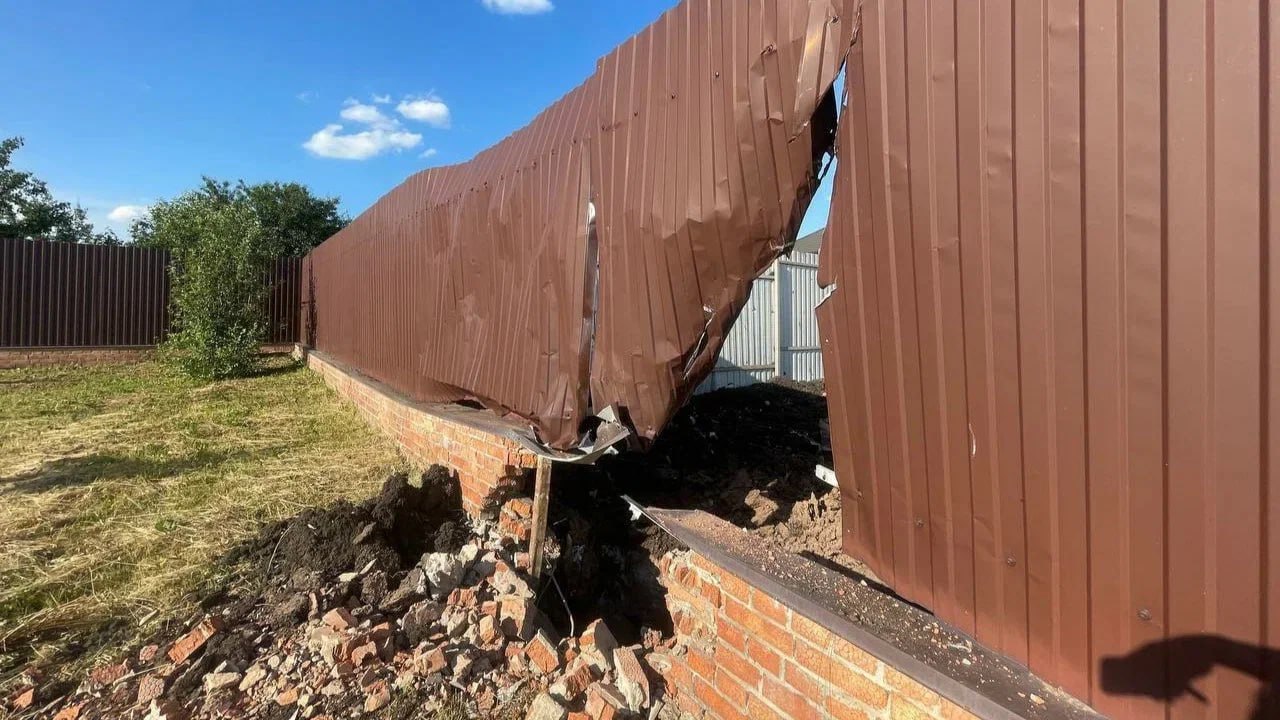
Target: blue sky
125 103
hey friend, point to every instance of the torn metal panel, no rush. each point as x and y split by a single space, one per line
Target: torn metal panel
597 258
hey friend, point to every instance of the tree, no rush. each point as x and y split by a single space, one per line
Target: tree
219 258
291 218
28 209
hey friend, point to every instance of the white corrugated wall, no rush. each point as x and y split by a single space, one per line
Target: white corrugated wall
755 351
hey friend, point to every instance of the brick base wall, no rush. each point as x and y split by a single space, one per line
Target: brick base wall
489 467
741 654
48 357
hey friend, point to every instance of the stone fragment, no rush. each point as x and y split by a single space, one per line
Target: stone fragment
429 662
162 710
543 655
631 678
325 642
443 571
252 677
216 681
463 663
192 642
508 582
545 707
287 697
488 631
419 620
379 697
364 654
339 619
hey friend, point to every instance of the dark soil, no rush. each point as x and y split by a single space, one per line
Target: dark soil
743 454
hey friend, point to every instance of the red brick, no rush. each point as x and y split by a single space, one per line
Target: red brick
857 686
788 701
904 709
802 682
737 665
758 627
757 709
840 710
770 608
701 663
904 685
735 588
811 631
767 659
856 656
194 640
733 636
714 702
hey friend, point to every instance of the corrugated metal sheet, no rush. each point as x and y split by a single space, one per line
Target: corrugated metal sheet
798 298
1052 343
755 351
55 294
696 143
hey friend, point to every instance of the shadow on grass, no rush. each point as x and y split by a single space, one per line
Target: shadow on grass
81 470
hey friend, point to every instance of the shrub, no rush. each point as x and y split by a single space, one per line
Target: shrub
218 262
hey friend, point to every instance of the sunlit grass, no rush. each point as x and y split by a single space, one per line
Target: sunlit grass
120 485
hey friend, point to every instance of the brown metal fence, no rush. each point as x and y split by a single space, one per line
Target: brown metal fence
1051 348
696 143
65 295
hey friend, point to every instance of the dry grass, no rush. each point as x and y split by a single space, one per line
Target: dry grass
120 485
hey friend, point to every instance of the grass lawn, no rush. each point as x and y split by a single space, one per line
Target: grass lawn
120 485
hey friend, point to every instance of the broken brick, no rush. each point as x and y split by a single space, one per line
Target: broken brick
489 632
575 682
598 643
24 699
632 680
192 642
430 662
605 702
72 712
339 619
288 697
543 655
516 616
150 688
108 674
379 697
521 507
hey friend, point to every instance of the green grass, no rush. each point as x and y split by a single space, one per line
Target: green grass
120 485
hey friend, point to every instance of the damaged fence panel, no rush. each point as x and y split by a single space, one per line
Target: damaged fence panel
1051 347
591 264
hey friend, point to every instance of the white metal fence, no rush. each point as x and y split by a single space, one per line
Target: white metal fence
759 347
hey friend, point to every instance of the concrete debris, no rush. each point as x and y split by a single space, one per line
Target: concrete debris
545 707
632 680
457 625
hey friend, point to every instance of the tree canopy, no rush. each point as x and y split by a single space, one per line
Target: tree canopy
28 210
291 219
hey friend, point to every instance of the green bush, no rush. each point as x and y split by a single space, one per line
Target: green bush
217 292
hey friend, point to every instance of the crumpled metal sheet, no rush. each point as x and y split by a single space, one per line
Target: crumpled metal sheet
697 142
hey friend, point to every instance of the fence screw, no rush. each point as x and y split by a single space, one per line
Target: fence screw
919 523
1010 561
1144 615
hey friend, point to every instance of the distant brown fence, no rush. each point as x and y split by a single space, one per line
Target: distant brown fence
65 295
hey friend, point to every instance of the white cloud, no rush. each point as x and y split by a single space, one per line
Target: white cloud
428 153
126 213
429 109
332 142
366 114
382 99
519 7
308 96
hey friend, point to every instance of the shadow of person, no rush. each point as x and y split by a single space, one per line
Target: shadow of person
1168 669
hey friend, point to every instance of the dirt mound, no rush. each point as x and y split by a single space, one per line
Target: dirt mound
388 532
